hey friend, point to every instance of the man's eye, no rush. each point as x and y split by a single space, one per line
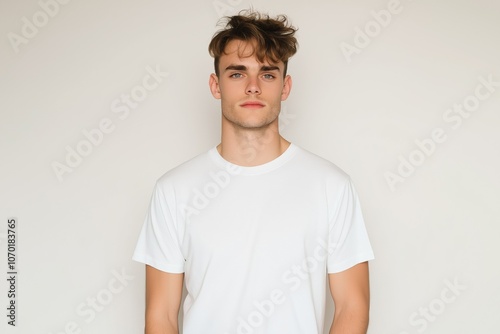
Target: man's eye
268 76
236 75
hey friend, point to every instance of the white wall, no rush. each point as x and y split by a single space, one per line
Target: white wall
436 226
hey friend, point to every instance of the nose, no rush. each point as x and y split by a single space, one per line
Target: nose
253 86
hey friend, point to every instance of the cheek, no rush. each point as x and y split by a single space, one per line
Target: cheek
227 91
278 93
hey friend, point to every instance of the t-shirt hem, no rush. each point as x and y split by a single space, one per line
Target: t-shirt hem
166 267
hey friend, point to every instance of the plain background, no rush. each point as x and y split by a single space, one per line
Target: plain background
440 225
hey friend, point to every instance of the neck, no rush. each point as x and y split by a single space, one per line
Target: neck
251 146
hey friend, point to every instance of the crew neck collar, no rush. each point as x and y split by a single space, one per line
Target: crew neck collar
253 170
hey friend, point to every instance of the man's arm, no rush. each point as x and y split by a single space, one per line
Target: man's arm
350 291
163 299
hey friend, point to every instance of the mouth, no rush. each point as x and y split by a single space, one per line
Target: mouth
252 104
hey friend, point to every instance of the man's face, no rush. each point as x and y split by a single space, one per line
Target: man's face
251 92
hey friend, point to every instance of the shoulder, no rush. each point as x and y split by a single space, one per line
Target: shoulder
321 167
186 171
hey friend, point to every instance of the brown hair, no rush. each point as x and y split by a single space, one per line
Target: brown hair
274 37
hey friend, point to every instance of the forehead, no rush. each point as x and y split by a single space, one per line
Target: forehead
243 51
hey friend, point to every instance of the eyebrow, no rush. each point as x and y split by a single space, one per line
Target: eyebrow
264 68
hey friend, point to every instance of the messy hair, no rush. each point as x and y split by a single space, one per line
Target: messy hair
273 37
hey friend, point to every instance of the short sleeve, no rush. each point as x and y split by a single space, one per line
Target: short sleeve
348 242
159 243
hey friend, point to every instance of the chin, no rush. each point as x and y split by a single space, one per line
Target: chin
251 120
254 124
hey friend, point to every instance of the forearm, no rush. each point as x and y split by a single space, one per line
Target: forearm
350 322
153 329
155 326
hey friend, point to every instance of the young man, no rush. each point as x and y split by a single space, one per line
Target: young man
257 225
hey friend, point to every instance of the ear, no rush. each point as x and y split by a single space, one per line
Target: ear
213 83
287 87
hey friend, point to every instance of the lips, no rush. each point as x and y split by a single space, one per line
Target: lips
252 104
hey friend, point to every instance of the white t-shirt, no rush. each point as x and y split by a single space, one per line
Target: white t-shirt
255 243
